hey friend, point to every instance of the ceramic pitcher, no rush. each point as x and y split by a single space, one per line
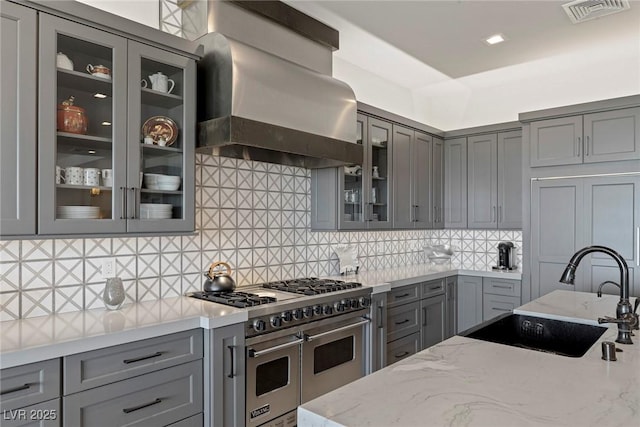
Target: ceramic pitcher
160 82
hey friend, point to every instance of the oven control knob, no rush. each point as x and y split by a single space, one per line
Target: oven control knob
365 301
297 314
307 312
354 303
259 325
287 316
327 310
317 310
276 321
339 306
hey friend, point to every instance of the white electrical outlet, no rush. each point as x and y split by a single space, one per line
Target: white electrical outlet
108 268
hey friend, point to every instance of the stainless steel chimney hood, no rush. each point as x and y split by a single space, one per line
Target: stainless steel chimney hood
257 106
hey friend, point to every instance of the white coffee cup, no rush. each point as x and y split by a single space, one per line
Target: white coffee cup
107 177
59 175
74 175
92 177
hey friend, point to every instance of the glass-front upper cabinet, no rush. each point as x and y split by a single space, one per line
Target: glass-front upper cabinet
116 134
353 190
82 137
161 135
378 154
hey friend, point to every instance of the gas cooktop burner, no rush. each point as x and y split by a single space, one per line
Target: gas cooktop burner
234 299
311 286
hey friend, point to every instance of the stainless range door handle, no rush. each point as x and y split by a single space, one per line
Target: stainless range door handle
253 353
335 331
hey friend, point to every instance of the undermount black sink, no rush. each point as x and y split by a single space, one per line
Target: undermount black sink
536 333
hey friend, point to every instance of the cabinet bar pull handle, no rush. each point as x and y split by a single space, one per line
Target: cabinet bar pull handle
500 213
638 246
435 288
232 369
502 286
15 389
501 309
123 208
380 313
586 146
140 359
144 405
493 214
415 213
403 295
579 146
403 354
424 316
402 322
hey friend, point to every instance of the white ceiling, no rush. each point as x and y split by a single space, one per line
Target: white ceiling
427 59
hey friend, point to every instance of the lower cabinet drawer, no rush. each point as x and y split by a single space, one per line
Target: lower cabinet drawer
403 320
156 399
491 285
108 365
29 384
45 414
495 305
403 348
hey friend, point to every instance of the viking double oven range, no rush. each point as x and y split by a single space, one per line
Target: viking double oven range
304 337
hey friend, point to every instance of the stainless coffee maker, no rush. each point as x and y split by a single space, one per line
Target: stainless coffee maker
506 256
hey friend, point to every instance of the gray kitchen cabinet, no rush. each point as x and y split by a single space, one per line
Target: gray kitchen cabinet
569 214
225 376
403 348
451 284
455 183
469 304
403 320
412 178
45 414
378 345
433 320
482 181
158 398
557 224
403 295
437 187
354 197
117 112
612 219
499 296
30 384
510 180
494 180
18 43
589 138
104 366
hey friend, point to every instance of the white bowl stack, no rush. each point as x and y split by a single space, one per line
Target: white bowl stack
78 212
156 210
156 181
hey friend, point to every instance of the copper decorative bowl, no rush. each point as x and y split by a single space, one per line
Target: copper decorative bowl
71 118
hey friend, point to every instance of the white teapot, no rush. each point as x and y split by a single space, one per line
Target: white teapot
63 61
160 82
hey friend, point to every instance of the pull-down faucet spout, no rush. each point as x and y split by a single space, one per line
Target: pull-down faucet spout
624 313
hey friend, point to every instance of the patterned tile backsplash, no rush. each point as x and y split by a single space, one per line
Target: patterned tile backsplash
253 215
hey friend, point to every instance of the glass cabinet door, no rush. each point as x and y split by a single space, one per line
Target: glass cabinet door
352 189
379 160
82 129
161 136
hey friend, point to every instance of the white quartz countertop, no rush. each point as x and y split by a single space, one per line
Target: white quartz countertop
40 338
467 382
385 280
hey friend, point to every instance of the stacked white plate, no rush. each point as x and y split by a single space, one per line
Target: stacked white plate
156 181
156 210
78 212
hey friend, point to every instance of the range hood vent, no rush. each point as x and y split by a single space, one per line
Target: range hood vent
257 106
585 10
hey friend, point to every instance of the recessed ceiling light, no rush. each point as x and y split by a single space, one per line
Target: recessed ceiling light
100 95
92 151
494 39
106 123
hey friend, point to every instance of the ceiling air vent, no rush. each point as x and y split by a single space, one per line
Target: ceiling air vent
585 10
